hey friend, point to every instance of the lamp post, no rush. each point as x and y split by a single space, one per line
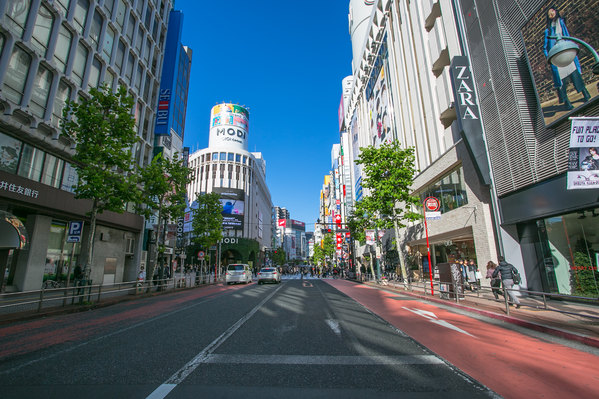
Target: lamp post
565 50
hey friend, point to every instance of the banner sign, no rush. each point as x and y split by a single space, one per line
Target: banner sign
583 159
369 237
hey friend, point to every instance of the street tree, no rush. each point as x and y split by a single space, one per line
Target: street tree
207 220
388 175
279 256
101 126
164 194
326 249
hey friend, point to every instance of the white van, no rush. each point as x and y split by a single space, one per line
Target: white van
238 273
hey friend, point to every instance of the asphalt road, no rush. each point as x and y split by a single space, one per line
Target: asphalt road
298 339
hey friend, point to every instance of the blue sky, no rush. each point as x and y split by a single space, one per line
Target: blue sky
285 61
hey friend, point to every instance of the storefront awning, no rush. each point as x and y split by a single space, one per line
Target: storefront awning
13 234
464 233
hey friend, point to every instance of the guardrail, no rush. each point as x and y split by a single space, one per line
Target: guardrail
459 292
53 298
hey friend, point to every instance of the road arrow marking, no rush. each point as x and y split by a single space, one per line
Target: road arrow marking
433 318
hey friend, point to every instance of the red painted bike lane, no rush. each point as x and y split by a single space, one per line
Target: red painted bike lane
28 336
510 363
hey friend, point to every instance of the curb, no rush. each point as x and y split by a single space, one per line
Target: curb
584 339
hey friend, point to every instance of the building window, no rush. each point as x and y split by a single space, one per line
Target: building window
449 190
237 172
230 157
109 78
69 178
138 40
138 77
230 171
129 69
9 153
223 156
42 29
215 156
95 30
147 51
41 90
108 44
94 73
16 75
63 6
63 48
109 5
52 173
237 158
16 16
30 165
120 14
80 15
62 95
79 64
245 159
120 56
140 7
130 28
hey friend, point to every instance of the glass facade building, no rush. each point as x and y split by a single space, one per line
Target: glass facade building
51 52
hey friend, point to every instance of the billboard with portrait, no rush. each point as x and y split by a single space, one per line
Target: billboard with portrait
233 202
560 90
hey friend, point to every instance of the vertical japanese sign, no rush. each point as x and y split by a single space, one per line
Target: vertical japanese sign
583 158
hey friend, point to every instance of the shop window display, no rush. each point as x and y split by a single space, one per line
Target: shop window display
570 250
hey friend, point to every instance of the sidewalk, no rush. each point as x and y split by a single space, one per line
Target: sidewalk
532 314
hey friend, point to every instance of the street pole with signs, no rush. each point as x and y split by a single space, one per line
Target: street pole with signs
432 205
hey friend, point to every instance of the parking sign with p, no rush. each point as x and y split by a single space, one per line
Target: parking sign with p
75 230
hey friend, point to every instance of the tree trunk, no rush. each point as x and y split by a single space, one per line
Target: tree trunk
402 264
90 241
157 244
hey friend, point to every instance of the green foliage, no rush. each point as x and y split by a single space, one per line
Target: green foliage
207 220
324 250
584 276
388 176
279 257
164 187
102 128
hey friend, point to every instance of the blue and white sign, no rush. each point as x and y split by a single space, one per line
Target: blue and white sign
75 231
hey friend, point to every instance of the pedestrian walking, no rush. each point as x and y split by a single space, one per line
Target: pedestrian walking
507 271
495 281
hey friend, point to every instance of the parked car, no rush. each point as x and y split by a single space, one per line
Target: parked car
269 274
238 273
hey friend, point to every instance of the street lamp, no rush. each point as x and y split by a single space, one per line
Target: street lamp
565 50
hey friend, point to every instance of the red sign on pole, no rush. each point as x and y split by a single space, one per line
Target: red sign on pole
432 204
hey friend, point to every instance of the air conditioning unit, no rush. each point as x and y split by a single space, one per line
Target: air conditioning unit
129 246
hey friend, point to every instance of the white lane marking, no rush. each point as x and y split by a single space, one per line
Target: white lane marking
162 391
180 375
433 318
334 324
375 360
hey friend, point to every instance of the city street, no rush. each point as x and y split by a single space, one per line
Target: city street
302 338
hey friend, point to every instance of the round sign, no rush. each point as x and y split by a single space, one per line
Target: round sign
200 254
432 204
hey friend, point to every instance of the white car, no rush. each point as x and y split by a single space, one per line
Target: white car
238 273
270 274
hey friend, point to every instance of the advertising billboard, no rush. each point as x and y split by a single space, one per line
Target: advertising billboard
583 157
560 90
229 125
233 202
380 108
297 225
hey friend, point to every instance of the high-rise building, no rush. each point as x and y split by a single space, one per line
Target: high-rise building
51 52
239 176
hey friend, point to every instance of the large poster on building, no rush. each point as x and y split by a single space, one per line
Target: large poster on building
583 159
233 202
355 145
380 109
229 126
561 90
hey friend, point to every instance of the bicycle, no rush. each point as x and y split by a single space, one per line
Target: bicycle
48 284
